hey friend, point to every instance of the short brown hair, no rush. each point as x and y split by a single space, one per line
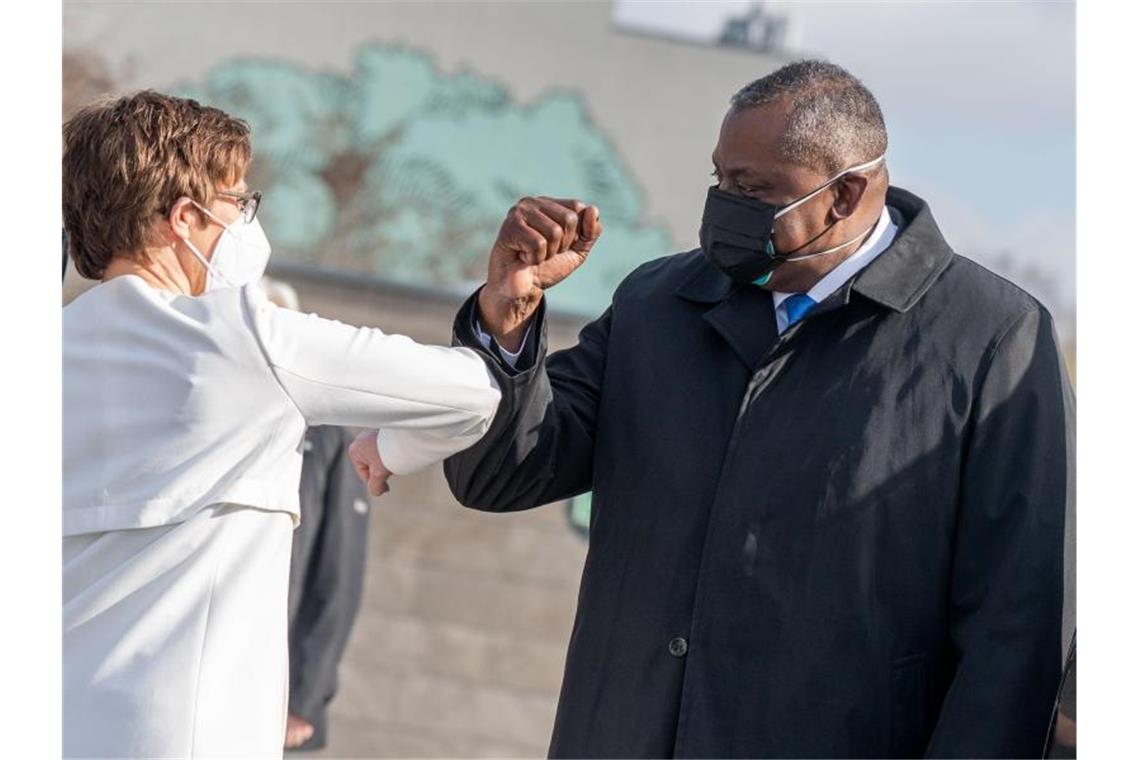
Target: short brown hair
125 162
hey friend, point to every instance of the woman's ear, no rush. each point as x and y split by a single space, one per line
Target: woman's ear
183 217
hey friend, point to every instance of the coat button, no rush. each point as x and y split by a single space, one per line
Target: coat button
678 647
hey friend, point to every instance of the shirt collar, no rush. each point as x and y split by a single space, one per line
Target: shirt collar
879 240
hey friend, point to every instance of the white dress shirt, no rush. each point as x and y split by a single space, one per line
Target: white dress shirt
173 403
880 239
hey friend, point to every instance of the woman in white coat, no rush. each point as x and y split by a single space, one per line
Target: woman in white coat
186 399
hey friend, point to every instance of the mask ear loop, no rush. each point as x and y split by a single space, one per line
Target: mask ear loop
763 280
809 196
209 267
833 249
198 254
828 183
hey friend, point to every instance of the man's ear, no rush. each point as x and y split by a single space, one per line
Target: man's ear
849 191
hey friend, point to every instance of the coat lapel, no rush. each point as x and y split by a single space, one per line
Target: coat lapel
741 315
747 322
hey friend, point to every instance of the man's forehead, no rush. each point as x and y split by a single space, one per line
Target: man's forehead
765 120
750 131
750 143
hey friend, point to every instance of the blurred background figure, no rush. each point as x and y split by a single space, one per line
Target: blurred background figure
325 581
327 573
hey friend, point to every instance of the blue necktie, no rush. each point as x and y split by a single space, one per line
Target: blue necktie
796 306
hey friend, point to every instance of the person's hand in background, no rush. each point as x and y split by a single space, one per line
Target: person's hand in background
297 731
365 458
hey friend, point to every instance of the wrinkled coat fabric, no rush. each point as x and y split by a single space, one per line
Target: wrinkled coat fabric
845 541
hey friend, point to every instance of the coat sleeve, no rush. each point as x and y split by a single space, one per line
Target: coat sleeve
540 447
1008 578
426 402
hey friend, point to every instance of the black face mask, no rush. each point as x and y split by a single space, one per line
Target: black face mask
736 232
736 236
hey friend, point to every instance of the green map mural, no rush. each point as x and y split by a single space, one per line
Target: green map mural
404 172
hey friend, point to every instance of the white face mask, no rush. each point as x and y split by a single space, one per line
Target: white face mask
240 256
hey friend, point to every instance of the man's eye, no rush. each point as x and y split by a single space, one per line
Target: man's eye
747 189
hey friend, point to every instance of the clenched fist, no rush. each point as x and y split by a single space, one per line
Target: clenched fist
370 468
540 243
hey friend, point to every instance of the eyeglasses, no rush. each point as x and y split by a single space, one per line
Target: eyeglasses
248 203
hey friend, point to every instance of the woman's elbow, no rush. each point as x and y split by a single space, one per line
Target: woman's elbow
480 394
485 395
483 410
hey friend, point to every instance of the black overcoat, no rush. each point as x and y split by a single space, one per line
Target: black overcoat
848 540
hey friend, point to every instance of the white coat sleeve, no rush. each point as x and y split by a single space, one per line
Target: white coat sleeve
426 402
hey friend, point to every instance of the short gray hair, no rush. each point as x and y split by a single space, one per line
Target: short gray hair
834 121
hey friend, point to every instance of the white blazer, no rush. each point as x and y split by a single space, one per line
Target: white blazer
173 403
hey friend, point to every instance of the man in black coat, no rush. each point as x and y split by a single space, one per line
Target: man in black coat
831 460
